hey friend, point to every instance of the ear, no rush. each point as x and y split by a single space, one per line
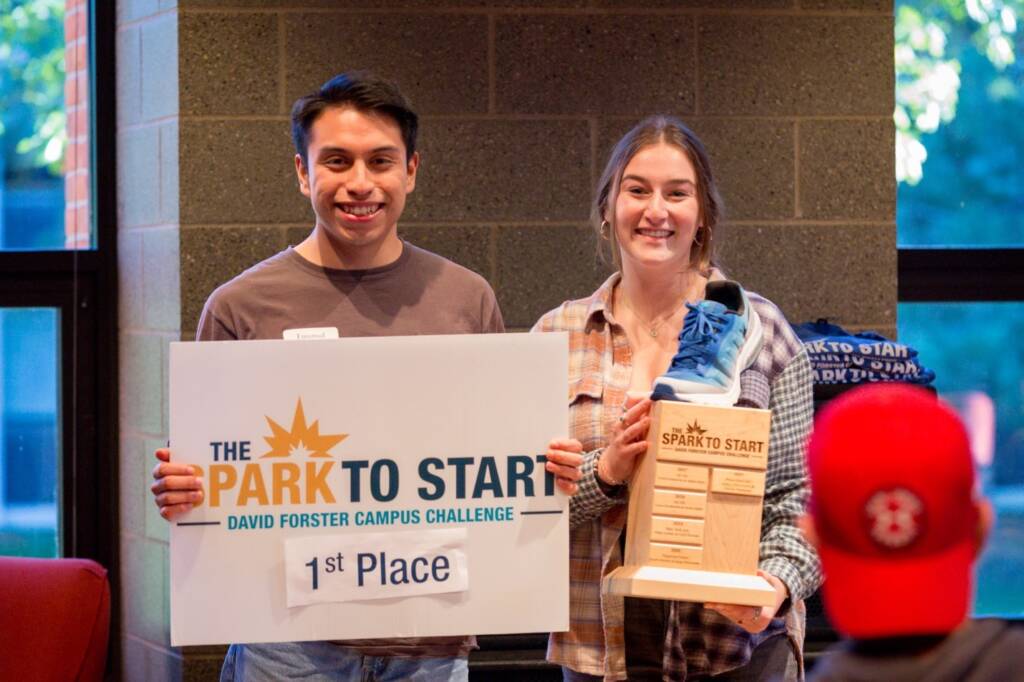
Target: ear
410 172
303 174
806 524
608 214
613 196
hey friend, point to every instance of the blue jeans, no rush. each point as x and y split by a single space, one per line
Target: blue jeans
326 662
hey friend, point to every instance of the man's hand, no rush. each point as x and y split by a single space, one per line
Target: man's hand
564 459
177 488
754 619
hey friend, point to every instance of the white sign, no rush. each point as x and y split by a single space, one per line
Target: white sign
326 568
404 475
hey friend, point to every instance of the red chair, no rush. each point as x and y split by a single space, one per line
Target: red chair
54 619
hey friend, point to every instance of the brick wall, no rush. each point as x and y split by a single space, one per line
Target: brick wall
520 103
77 225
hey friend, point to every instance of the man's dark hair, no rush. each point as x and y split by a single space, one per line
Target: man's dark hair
363 91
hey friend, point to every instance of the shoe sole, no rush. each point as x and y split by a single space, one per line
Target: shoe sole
664 389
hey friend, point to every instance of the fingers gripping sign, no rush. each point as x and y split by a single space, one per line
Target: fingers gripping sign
564 458
177 487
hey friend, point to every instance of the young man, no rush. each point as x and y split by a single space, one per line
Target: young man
356 160
896 519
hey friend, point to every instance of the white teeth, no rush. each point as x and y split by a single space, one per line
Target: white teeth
656 233
361 210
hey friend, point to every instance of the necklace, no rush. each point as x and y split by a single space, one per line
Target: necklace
654 325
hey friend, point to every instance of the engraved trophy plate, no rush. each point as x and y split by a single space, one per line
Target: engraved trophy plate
681 476
682 531
674 503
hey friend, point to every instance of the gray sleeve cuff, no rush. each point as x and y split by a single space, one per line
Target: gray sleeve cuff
593 498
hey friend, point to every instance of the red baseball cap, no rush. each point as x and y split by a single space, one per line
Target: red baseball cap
892 498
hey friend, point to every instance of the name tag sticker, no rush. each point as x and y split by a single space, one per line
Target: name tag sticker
311 333
341 568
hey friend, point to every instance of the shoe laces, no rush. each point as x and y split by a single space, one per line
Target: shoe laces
700 327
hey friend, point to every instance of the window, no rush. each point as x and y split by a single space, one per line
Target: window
960 98
44 157
29 432
57 309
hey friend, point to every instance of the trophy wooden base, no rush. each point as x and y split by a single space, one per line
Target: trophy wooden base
680 584
695 504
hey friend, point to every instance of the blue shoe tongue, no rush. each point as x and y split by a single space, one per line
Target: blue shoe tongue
703 321
714 307
699 317
699 325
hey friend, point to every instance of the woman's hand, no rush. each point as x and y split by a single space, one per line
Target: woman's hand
564 459
627 443
177 488
754 619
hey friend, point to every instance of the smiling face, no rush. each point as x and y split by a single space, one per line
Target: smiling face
656 210
357 180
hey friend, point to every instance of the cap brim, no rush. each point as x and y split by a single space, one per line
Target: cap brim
873 597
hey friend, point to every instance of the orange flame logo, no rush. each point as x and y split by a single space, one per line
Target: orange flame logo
301 439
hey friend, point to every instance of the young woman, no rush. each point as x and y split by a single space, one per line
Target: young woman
658 209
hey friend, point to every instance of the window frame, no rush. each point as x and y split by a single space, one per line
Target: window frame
957 274
964 275
82 284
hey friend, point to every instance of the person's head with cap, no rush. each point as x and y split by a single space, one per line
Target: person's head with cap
894 512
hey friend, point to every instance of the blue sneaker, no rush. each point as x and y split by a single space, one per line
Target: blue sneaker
721 337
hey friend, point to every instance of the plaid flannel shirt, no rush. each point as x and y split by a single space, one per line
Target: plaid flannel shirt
698 641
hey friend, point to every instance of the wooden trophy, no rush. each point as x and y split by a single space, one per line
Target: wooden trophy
695 501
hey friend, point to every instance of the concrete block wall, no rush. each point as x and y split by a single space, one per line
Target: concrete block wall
149 317
520 101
